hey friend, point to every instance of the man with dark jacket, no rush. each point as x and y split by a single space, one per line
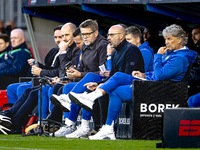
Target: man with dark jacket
68 52
14 63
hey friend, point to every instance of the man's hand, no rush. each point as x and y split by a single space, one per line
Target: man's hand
73 73
109 50
54 80
63 45
162 50
30 61
65 82
105 73
139 74
91 86
36 70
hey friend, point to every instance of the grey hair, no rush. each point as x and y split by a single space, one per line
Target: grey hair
176 31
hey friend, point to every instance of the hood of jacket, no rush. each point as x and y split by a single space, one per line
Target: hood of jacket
189 54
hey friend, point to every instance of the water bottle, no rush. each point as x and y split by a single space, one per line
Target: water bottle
34 64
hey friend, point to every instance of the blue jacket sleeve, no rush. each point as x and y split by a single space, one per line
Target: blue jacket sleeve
170 69
108 64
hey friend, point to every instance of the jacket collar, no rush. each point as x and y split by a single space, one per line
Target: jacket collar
23 45
95 44
118 48
72 46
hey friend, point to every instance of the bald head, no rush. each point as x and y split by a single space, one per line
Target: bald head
69 26
118 28
67 32
17 37
116 34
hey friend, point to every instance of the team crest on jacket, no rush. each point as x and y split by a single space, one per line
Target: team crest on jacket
166 57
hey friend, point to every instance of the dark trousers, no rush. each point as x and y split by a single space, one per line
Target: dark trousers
100 111
24 106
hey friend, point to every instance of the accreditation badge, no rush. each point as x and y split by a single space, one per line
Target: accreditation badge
6 56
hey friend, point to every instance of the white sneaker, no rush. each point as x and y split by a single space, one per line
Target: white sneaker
5 124
105 133
81 100
64 130
78 133
62 101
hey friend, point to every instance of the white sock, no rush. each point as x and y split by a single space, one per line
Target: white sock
69 122
110 127
85 123
95 94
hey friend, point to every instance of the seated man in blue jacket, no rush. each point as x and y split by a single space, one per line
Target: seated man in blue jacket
170 63
14 62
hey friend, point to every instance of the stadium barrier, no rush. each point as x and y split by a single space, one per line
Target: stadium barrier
141 118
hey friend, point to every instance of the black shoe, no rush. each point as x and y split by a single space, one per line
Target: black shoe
6 112
5 122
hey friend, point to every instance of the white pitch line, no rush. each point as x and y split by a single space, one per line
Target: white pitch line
22 148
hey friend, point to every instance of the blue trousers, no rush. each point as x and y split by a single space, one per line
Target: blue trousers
79 88
194 100
119 87
55 112
15 91
49 94
73 114
45 102
86 115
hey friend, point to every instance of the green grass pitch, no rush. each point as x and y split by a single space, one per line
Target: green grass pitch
16 142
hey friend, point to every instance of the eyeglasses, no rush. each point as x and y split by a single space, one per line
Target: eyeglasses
112 34
87 34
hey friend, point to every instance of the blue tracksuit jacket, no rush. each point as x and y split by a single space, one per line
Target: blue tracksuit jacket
173 65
